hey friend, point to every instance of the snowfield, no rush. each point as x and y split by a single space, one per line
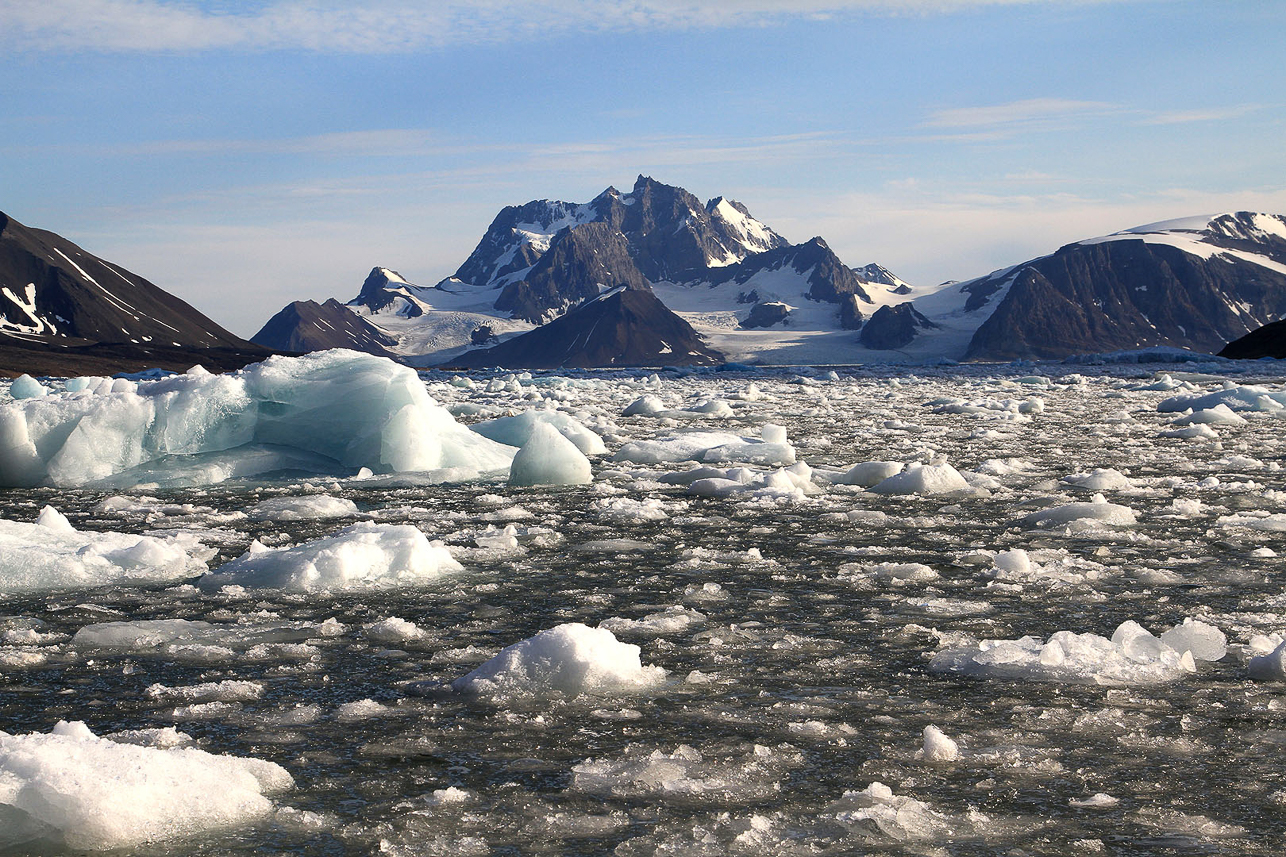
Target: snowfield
940 610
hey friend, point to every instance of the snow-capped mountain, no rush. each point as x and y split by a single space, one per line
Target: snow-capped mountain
310 326
741 285
1195 283
53 292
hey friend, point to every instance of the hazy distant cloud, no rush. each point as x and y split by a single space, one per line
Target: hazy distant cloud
1212 114
158 26
1014 113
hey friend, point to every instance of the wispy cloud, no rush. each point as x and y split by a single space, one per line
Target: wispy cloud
1211 114
159 26
1015 114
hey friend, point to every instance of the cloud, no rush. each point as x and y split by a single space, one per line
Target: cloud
1031 112
378 26
1211 114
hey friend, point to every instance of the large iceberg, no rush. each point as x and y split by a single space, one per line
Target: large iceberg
72 789
52 554
351 409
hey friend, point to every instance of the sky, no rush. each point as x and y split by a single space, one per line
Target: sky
243 155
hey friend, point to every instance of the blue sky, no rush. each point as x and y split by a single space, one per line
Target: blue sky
243 155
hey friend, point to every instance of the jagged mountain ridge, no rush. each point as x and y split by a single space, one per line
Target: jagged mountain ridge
713 263
309 326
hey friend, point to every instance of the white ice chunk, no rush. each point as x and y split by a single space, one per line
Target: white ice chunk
937 747
1269 667
362 556
51 554
1219 415
923 479
1100 479
568 660
871 473
1133 656
644 406
517 430
27 387
549 458
309 507
1238 398
1098 509
72 789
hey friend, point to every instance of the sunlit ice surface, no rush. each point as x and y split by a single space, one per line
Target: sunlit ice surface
956 610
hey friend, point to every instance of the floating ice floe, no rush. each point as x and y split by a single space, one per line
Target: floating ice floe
309 507
568 660
1132 656
1219 415
712 447
349 409
672 620
876 812
1266 522
1100 479
1246 397
549 458
1098 509
362 556
936 746
726 775
517 430
73 789
870 473
924 479
51 554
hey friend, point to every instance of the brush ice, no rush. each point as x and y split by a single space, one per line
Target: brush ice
567 660
517 430
1132 656
354 410
73 789
549 458
362 556
923 479
52 554
310 507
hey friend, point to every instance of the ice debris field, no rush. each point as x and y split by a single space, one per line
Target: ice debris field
327 605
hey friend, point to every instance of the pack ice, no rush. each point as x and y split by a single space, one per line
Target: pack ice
73 789
340 407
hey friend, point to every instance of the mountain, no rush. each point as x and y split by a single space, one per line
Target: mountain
1194 283
63 305
623 327
742 286
1266 341
310 326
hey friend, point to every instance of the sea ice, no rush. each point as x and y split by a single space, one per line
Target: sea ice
73 789
51 554
1098 509
1246 397
937 746
1131 656
567 660
27 387
352 409
923 479
362 556
517 430
549 458
308 507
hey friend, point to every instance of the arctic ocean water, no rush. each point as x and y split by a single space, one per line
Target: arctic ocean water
797 619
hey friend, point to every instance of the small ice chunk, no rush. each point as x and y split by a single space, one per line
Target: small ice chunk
517 430
1100 479
27 387
392 630
1269 667
570 660
937 747
870 473
1219 415
923 479
549 458
644 406
1206 642
1098 509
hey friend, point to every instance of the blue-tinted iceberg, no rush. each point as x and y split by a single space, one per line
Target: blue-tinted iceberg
350 409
